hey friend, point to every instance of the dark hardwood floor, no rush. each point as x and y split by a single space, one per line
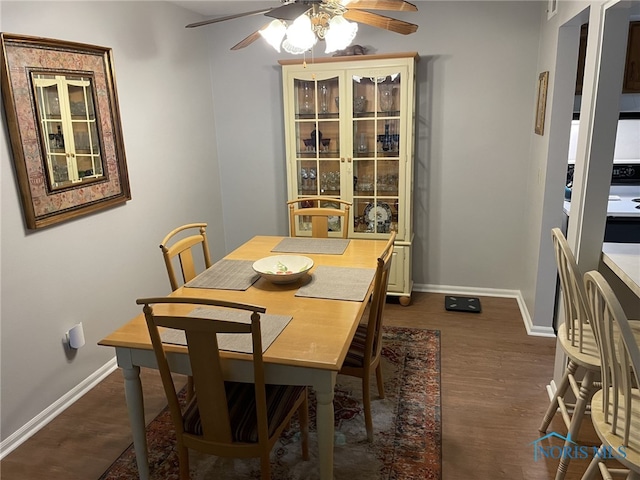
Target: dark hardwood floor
493 399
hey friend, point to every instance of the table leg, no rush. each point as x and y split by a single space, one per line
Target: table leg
135 407
325 419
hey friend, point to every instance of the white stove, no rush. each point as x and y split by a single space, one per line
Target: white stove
623 208
624 201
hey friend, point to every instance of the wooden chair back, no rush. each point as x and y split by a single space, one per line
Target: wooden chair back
204 356
578 328
208 423
363 356
183 249
620 363
319 213
373 343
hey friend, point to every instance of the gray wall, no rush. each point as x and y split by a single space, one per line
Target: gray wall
93 268
476 88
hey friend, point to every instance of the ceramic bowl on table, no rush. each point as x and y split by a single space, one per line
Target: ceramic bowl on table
283 268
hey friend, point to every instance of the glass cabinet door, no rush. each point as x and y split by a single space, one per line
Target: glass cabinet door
317 137
68 129
377 150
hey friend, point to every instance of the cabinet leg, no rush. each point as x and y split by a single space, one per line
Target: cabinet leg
405 301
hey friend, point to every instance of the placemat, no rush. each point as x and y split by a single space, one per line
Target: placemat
329 246
270 327
226 275
338 283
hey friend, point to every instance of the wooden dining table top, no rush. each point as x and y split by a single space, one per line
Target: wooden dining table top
320 331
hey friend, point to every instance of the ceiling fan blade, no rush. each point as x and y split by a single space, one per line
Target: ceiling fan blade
380 21
247 40
395 5
290 11
229 17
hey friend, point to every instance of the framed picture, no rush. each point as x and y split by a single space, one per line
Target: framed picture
63 119
541 104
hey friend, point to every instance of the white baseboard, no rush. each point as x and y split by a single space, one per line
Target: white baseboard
533 330
43 418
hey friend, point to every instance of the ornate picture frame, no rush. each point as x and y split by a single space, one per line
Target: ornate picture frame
541 104
63 118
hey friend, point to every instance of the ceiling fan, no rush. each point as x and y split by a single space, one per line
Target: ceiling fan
322 14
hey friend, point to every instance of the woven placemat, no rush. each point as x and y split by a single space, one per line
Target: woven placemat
328 246
338 283
270 327
226 275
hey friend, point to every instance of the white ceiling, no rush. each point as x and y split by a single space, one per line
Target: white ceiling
216 8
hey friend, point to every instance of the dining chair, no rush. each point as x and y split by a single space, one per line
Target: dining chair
325 214
615 409
577 340
182 247
363 356
225 419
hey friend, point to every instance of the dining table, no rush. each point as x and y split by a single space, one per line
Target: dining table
309 350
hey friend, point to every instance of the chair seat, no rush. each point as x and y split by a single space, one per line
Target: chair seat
241 399
355 355
589 357
632 451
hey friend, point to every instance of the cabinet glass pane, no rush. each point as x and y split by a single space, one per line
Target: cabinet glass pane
375 216
316 98
388 138
387 178
364 176
317 130
319 177
376 95
307 177
364 137
330 178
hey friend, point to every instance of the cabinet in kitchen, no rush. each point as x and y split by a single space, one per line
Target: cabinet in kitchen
631 81
349 132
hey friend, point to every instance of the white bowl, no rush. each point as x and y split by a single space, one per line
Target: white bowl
283 268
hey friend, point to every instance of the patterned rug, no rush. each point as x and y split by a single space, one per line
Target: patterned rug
407 429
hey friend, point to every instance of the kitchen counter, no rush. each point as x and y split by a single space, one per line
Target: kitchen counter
624 260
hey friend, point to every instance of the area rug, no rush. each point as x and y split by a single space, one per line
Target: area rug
407 428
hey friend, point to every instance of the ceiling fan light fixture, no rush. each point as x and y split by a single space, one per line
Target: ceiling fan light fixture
300 36
274 33
340 34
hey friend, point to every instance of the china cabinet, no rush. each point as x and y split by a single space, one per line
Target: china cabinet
349 131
